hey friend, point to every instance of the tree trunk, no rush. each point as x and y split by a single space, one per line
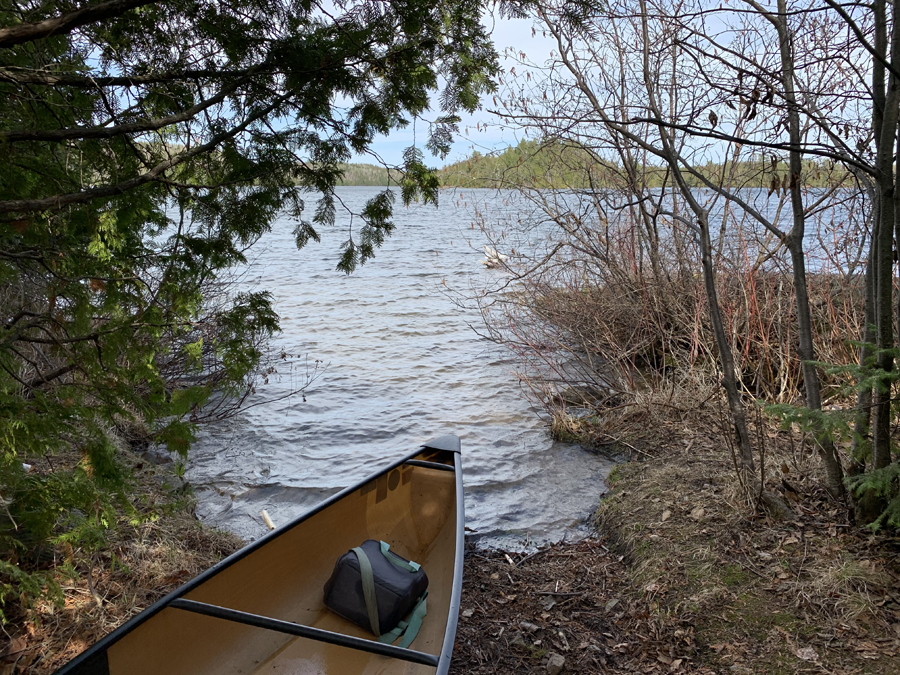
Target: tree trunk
834 474
886 113
861 446
726 358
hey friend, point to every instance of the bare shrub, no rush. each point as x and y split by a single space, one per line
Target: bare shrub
598 326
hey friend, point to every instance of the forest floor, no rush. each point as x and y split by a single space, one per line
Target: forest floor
141 563
683 577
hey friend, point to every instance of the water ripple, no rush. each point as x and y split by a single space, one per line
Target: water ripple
403 366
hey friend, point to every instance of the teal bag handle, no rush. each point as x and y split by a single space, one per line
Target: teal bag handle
397 561
368 586
408 629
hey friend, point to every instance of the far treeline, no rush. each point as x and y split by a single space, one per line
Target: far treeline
557 164
368 175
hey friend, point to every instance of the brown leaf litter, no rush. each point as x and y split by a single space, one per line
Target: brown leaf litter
688 578
564 601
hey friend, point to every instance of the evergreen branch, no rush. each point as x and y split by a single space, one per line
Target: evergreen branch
57 135
66 23
23 76
42 378
57 202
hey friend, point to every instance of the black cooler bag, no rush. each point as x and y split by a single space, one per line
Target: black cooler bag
397 585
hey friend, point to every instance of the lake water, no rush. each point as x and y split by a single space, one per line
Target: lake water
401 362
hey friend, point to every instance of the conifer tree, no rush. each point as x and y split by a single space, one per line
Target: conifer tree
146 144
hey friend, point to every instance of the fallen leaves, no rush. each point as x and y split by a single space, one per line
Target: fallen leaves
703 587
807 654
565 604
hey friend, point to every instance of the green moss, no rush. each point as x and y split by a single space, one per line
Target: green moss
755 616
779 664
615 475
537 652
734 575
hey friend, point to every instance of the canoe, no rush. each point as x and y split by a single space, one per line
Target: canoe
261 610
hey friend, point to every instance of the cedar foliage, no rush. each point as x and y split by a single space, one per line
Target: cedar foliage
147 144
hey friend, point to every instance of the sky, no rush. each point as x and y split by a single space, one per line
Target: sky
505 33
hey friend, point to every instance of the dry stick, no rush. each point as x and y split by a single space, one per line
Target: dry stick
750 567
628 445
529 557
805 553
793 451
90 580
6 504
730 443
762 458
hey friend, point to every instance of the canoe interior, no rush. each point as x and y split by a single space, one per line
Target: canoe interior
413 508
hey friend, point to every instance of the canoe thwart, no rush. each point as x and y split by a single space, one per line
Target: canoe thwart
429 465
309 632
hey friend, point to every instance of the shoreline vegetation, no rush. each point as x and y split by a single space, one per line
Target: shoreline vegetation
684 575
151 548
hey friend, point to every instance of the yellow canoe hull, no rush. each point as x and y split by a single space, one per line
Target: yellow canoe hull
261 610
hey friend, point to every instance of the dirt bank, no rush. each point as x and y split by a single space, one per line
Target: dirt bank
684 578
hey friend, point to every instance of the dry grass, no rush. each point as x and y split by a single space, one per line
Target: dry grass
607 424
608 335
142 563
688 577
609 326
762 596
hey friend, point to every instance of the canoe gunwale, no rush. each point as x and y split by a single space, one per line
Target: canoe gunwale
456 589
94 659
309 632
